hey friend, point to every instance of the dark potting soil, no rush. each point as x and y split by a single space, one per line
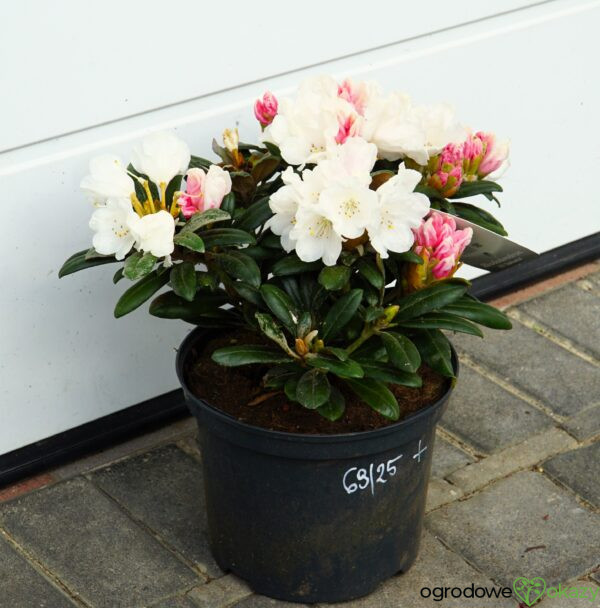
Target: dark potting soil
239 392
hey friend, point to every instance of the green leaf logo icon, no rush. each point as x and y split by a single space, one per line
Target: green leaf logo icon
529 590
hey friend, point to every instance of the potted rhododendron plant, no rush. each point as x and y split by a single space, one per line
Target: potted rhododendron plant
318 268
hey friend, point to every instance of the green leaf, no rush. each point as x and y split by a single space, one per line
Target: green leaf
226 237
373 312
205 306
183 280
340 353
139 292
118 276
304 324
272 148
138 265
199 162
203 218
249 293
313 389
401 351
273 331
290 387
333 408
174 186
480 217
370 272
481 186
425 300
277 376
340 314
377 395
244 354
407 256
189 240
79 262
344 369
280 304
240 266
481 313
435 351
443 320
228 203
388 373
291 264
334 277
256 215
265 167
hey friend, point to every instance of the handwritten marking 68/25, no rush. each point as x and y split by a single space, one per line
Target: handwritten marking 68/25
356 479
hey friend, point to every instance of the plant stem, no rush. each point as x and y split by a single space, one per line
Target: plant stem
366 333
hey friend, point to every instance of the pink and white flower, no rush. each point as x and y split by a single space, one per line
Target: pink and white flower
204 190
495 156
447 170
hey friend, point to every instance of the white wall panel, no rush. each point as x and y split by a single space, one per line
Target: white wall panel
64 360
72 64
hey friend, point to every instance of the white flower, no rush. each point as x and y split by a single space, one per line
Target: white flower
111 225
306 126
440 127
400 209
391 125
354 159
161 156
108 178
315 236
217 185
348 207
153 233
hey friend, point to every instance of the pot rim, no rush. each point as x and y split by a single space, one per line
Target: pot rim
311 438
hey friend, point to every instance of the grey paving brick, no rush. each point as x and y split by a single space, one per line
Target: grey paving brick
564 382
164 489
440 492
22 586
586 424
515 458
260 601
84 538
175 602
571 311
487 417
580 471
521 526
219 593
435 567
181 429
589 596
447 458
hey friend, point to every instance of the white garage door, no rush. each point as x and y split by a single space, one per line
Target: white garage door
81 77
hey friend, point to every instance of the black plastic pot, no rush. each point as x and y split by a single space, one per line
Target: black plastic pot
313 518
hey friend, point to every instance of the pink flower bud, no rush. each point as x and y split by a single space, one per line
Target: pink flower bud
265 109
495 154
446 170
440 244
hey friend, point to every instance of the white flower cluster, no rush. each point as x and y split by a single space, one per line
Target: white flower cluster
319 209
325 113
117 227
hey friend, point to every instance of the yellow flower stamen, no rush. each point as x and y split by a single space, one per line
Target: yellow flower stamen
137 206
163 196
149 199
